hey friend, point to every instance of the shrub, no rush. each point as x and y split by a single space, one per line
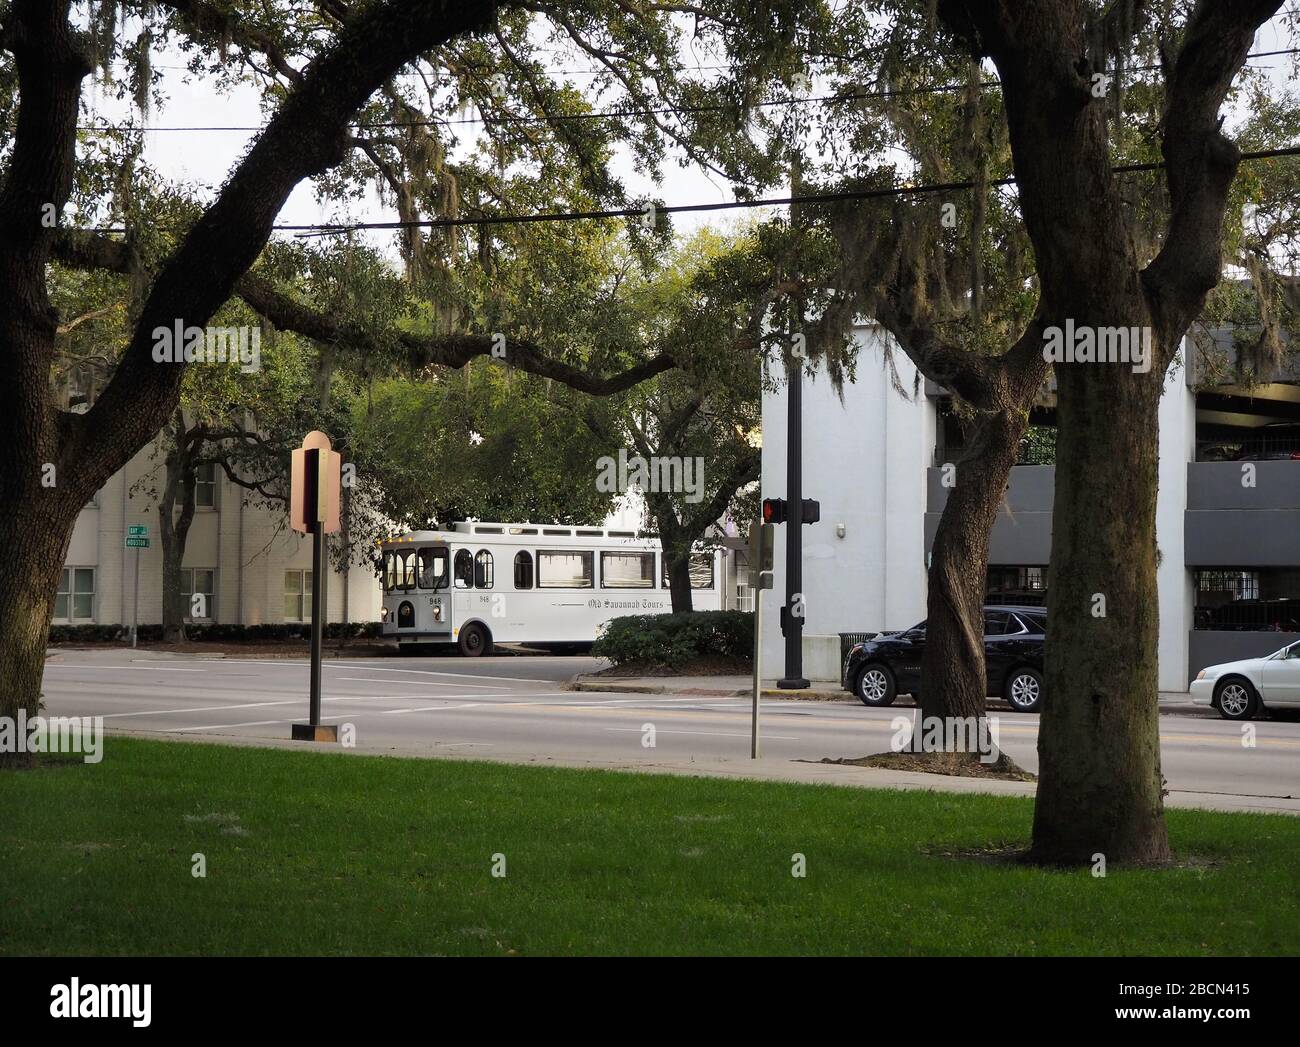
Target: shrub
213 631
673 640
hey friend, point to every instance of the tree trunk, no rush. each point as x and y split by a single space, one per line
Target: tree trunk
952 664
29 580
173 532
1100 789
679 578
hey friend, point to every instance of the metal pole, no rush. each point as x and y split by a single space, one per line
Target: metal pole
317 598
135 600
792 624
758 661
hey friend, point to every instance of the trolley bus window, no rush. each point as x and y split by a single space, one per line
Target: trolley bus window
701 571
627 570
390 572
523 570
564 570
433 568
406 569
483 570
464 569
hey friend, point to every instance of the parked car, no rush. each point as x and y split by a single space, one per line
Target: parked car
1014 636
1243 689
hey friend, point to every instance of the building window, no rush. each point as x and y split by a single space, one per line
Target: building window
205 486
627 570
1230 599
1222 586
564 570
297 596
200 581
523 570
744 594
1025 585
483 570
75 601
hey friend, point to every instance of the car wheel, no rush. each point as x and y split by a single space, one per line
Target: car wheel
876 685
1024 690
474 641
1235 699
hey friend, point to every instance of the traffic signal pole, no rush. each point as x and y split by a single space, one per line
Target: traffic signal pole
792 623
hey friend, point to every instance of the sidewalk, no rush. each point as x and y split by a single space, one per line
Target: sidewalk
767 768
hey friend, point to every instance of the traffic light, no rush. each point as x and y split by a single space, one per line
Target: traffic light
812 510
773 510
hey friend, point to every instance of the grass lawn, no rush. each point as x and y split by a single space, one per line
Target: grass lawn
313 853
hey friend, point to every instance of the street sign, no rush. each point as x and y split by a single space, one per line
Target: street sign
137 538
314 481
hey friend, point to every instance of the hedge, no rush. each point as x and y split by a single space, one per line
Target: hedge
215 631
675 639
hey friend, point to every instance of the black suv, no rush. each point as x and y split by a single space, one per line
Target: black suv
881 669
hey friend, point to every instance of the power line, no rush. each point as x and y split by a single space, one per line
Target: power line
335 229
815 198
834 99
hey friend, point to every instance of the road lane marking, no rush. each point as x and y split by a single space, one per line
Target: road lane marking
128 668
431 672
428 709
220 726
200 709
421 683
708 734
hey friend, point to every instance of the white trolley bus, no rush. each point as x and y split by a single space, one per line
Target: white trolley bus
481 583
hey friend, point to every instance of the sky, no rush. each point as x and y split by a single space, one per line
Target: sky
205 158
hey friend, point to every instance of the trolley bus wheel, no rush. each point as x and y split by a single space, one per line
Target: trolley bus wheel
474 640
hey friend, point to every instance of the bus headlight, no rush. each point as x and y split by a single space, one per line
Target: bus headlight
383 614
437 610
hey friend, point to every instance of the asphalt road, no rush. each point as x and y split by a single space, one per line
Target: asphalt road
516 708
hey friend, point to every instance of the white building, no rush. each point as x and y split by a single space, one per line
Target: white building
251 568
874 460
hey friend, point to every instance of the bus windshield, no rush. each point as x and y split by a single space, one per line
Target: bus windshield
433 568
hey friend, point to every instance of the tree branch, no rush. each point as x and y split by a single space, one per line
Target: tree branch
1200 161
307 135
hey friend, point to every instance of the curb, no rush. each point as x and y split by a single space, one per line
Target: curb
808 695
581 683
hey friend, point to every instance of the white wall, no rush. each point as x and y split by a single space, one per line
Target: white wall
1173 580
864 459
